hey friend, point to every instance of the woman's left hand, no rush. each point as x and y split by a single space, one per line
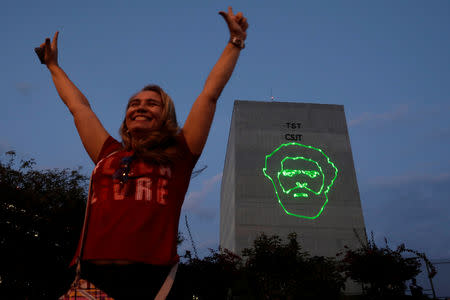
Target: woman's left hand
237 24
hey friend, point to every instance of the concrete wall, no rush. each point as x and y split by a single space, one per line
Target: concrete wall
249 203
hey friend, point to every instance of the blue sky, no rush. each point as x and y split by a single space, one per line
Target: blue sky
387 62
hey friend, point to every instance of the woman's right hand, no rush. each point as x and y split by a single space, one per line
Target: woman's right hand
51 51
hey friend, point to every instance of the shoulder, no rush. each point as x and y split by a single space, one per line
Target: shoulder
109 147
182 146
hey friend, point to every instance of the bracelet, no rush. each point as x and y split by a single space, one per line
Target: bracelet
237 42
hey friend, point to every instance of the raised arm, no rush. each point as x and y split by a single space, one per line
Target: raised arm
91 131
198 122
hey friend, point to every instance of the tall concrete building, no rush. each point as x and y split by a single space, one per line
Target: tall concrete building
289 168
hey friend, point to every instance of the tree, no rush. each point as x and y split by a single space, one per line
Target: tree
382 270
283 271
271 270
212 277
324 280
41 214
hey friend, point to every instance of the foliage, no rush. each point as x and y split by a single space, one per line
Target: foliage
284 271
324 278
382 270
41 214
271 270
212 277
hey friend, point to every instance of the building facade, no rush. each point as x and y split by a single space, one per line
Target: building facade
289 168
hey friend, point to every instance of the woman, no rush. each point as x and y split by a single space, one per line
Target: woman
138 186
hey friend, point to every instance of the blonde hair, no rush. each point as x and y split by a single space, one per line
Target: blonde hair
159 145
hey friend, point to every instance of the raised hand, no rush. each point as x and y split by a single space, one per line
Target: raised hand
51 51
237 24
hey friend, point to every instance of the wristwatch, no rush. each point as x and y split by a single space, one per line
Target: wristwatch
237 42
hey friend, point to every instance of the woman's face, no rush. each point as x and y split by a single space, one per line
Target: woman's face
144 112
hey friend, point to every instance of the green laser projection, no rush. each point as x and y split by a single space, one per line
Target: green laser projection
302 177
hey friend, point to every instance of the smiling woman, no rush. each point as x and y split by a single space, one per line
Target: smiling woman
128 247
150 118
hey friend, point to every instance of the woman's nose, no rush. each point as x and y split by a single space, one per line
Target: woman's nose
142 108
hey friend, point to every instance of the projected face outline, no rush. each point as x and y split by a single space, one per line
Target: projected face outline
301 183
311 178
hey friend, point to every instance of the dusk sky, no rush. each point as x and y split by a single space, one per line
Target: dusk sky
387 62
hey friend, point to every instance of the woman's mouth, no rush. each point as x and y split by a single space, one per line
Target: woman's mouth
141 118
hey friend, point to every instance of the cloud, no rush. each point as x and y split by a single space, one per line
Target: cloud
210 243
194 200
411 209
205 213
443 134
202 248
5 146
24 88
366 117
433 110
410 179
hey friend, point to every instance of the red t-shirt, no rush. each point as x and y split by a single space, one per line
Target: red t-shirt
136 220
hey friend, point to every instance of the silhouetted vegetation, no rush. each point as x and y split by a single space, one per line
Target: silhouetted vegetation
41 214
283 271
269 270
213 277
382 271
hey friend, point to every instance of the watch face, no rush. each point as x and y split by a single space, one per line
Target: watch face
238 42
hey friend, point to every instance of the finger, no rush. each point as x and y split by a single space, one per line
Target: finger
243 25
55 40
230 11
47 44
224 15
239 15
42 45
240 21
